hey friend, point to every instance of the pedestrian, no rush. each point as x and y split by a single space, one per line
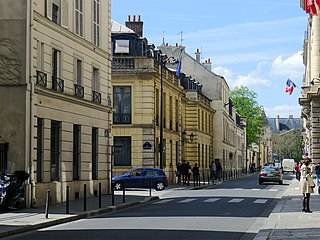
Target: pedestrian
178 173
298 173
219 170
305 187
184 172
317 169
196 175
213 171
189 172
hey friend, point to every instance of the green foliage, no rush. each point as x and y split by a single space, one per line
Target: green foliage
247 107
288 145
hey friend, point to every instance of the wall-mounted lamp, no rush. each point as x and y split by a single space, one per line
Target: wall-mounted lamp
314 79
184 137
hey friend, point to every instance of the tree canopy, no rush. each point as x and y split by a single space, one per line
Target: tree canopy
245 101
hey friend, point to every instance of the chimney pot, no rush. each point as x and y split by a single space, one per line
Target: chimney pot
134 18
138 18
128 18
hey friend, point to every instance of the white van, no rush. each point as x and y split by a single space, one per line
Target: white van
288 165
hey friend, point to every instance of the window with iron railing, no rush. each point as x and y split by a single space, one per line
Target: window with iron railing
41 79
78 91
96 97
57 84
122 105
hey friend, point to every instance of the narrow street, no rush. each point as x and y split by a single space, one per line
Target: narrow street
232 210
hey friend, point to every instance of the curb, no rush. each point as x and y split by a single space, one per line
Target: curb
81 215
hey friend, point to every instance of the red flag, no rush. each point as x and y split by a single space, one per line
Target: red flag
306 7
313 9
318 3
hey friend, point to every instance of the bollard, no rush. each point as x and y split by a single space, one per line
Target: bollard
47 204
204 182
67 199
150 187
85 197
123 193
112 193
99 194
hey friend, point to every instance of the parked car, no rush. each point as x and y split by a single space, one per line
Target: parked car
142 178
270 174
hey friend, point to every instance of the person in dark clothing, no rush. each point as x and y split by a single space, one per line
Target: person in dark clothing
196 175
219 170
178 173
184 172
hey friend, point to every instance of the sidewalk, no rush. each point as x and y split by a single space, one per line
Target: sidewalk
288 222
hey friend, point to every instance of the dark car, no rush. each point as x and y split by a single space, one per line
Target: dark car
142 178
270 174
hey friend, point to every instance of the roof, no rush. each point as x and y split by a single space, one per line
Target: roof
279 125
119 28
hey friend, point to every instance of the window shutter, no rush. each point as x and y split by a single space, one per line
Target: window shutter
64 14
49 9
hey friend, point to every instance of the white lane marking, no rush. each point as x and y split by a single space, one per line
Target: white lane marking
273 190
261 201
163 201
188 200
210 200
255 189
236 200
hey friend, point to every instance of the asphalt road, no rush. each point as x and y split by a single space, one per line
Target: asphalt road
232 210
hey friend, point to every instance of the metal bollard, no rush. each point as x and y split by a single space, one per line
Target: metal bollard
85 197
47 204
99 195
112 193
123 193
204 182
67 199
150 187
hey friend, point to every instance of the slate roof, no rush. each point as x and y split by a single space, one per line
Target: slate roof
279 125
119 28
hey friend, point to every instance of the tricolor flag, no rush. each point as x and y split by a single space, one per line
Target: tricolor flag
290 86
310 6
179 64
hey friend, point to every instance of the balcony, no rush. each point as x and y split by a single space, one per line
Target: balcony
96 97
57 84
79 91
123 63
41 79
122 118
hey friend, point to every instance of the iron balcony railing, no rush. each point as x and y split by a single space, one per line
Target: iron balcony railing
96 97
79 91
57 84
123 63
41 79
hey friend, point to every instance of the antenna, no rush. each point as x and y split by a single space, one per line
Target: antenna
181 39
163 38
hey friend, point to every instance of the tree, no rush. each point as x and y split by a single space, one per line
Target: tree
244 100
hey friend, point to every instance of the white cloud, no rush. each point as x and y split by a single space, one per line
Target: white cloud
291 67
283 111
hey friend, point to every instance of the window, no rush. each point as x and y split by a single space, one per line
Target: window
95 79
122 151
78 72
40 148
55 142
122 105
96 22
76 151
79 17
57 82
57 11
122 46
95 144
55 14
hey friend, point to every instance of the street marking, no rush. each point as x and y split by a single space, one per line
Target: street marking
261 201
210 200
236 200
255 189
188 200
273 190
163 201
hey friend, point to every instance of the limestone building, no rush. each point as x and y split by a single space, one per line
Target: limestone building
55 95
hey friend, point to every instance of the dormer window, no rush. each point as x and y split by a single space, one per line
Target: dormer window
122 46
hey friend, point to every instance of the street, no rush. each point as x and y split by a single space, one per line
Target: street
231 210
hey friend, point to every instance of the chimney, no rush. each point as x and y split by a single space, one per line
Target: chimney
136 26
278 123
198 55
207 64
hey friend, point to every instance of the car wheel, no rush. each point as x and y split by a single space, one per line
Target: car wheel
160 186
118 186
280 182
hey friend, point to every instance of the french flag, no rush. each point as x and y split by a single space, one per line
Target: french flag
290 86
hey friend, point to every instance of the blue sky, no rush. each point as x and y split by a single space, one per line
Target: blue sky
256 43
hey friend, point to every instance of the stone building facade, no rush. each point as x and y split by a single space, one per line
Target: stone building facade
55 95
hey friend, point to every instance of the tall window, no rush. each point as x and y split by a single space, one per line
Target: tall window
78 71
40 148
95 144
76 151
55 14
56 55
95 79
79 17
122 151
96 22
55 150
122 105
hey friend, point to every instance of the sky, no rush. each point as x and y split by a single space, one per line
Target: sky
254 43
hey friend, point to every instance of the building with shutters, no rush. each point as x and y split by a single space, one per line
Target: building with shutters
56 95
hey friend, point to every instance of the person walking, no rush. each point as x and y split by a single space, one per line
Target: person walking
178 173
189 172
219 170
213 171
305 188
298 173
196 175
184 172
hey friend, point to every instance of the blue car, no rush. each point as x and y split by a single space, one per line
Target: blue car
142 178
